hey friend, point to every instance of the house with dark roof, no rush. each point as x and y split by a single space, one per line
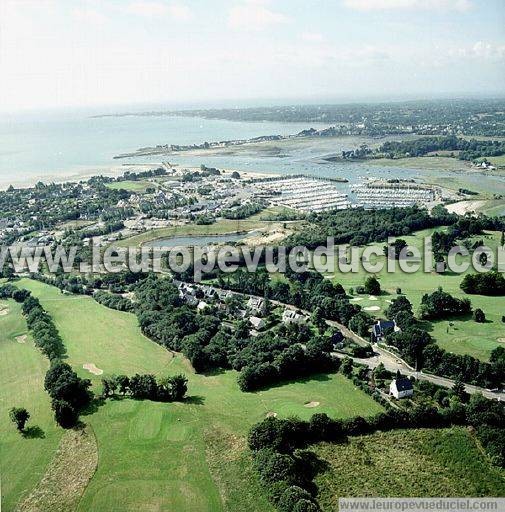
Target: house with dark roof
381 328
401 388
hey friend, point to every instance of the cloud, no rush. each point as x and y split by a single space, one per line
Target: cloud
312 37
379 5
91 16
154 9
480 50
254 15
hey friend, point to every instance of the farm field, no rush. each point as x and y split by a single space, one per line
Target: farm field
191 455
459 335
413 463
22 368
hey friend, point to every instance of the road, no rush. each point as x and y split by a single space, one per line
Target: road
393 364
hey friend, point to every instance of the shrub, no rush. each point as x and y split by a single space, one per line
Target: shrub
479 316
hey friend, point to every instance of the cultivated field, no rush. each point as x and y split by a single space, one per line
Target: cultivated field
412 463
188 456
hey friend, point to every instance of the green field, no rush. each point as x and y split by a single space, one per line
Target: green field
189 456
412 463
131 186
458 335
23 460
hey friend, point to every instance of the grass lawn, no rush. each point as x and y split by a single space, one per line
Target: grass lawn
458 335
189 456
23 460
411 463
131 186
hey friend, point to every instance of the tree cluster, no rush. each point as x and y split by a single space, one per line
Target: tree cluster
113 301
487 283
70 394
146 386
440 304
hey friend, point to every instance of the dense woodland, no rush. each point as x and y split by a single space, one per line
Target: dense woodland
360 227
462 148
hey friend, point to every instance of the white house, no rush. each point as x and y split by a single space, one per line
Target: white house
401 388
257 323
202 305
255 304
290 316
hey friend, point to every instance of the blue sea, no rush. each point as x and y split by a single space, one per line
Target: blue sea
70 144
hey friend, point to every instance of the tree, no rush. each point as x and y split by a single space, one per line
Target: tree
459 389
19 416
291 496
360 323
347 366
123 383
396 248
179 386
318 319
479 316
64 413
372 286
380 372
401 303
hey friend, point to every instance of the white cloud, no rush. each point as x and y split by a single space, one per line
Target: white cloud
153 9
254 15
378 5
92 16
480 50
312 37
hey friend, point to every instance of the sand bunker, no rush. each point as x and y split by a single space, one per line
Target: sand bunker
356 299
92 369
372 297
271 414
501 340
4 311
311 404
372 308
21 339
389 301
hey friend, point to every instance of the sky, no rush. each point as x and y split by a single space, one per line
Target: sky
59 53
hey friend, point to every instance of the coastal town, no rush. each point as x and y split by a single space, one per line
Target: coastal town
109 209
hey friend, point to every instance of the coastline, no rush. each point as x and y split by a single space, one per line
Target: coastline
113 171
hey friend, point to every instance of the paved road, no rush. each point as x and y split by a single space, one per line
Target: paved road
393 364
